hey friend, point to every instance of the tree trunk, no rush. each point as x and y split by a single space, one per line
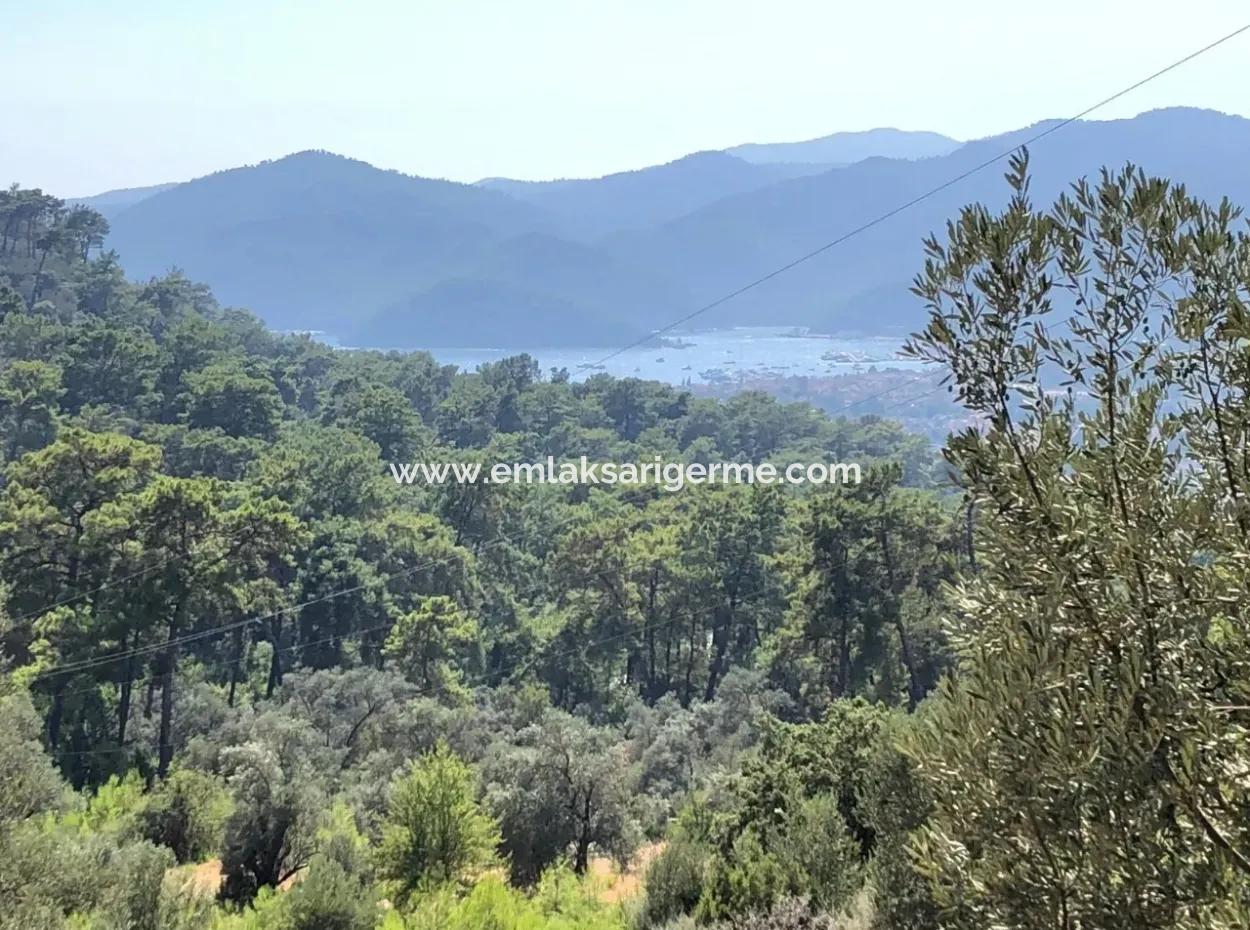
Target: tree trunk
915 689
235 659
720 646
668 659
651 689
123 701
166 750
842 683
581 857
275 657
36 288
165 753
55 716
842 610
688 692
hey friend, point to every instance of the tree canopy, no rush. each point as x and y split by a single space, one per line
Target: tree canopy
1006 689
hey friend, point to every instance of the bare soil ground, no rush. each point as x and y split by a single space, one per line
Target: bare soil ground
204 878
616 885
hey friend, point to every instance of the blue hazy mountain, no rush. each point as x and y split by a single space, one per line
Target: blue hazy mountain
845 148
315 240
861 285
638 199
319 241
110 203
530 289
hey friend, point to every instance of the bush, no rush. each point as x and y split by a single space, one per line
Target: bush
561 901
187 814
822 859
674 882
820 811
435 832
896 804
182 906
748 879
809 855
339 839
328 899
123 886
112 810
787 914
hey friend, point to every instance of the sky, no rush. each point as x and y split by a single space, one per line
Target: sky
104 94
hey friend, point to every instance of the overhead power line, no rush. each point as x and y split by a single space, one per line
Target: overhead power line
907 205
788 266
159 647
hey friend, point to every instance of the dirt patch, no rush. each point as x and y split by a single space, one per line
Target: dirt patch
615 885
203 879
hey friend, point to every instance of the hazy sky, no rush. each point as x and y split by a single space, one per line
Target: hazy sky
114 93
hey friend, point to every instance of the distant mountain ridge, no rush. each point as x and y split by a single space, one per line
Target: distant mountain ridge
846 148
862 285
110 203
319 241
633 199
316 240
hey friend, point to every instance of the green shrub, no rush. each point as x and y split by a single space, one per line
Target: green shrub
184 907
789 914
187 813
822 813
435 832
674 882
822 860
896 803
328 899
749 878
108 886
339 839
112 810
560 901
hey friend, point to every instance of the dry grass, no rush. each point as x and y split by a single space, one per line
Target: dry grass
203 879
200 880
614 885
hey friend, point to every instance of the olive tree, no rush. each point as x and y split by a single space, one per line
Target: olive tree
1089 760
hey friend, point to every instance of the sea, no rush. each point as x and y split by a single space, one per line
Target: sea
709 356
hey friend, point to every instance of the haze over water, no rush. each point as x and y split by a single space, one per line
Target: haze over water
708 356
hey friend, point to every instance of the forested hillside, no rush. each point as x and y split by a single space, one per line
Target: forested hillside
229 619
250 681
